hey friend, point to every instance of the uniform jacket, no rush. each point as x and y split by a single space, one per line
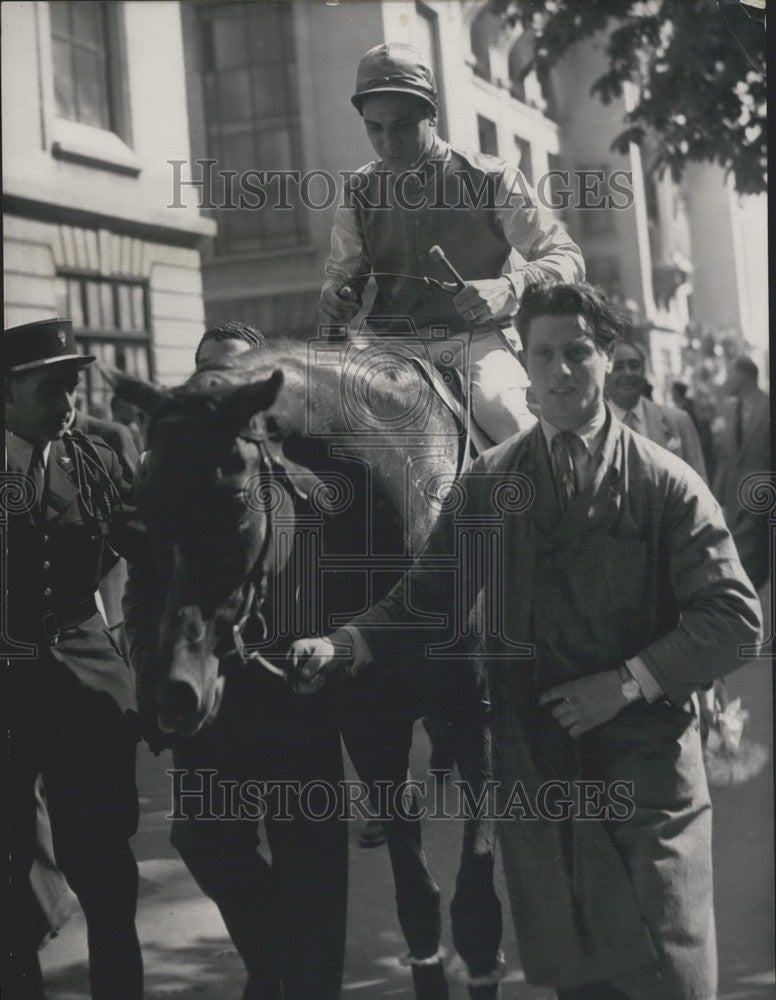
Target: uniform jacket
477 208
749 527
55 562
641 563
120 440
116 436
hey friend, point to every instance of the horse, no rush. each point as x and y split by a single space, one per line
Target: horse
285 490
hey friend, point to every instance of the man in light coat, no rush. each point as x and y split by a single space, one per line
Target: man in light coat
745 452
615 591
665 425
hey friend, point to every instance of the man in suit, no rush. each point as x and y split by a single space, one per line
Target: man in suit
616 592
665 425
744 450
71 694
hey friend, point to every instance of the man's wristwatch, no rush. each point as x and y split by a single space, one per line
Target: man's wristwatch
630 687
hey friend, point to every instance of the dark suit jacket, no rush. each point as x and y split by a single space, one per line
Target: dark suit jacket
55 562
748 525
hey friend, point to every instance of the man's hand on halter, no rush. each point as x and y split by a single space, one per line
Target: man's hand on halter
333 308
487 300
314 659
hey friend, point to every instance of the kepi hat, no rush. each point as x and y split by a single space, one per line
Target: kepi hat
41 344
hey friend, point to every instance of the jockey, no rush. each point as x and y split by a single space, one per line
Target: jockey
421 192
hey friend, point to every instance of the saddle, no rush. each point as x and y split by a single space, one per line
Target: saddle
449 387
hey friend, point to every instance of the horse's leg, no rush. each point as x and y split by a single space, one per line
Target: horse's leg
309 855
475 910
222 854
378 743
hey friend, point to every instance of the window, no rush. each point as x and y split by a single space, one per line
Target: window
556 190
524 157
480 42
110 320
426 39
79 39
605 271
252 115
488 137
520 56
88 63
526 84
596 217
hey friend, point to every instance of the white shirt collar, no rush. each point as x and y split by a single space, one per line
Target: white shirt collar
590 434
637 411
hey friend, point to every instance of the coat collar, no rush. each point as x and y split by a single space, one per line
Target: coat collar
18 452
592 503
62 488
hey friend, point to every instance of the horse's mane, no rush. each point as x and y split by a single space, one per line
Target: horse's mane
315 374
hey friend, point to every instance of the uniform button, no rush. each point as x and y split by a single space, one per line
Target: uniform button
45 538
47 592
46 564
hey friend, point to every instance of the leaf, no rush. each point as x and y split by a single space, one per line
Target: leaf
706 57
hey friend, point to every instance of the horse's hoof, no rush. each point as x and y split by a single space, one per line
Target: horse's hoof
373 834
490 992
430 982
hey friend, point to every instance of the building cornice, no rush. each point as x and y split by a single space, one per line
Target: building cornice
42 210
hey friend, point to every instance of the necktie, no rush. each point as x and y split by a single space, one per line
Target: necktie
631 420
37 472
564 446
739 428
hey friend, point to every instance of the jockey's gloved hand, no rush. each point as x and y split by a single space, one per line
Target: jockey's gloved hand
335 307
313 660
489 300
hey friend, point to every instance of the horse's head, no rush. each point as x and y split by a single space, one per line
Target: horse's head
202 490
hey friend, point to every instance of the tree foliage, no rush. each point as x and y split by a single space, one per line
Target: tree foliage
699 67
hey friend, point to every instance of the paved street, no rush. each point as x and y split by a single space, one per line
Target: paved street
188 954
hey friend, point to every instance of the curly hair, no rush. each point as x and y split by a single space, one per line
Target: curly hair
554 298
232 331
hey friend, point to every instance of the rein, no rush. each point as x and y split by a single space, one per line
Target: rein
450 287
257 584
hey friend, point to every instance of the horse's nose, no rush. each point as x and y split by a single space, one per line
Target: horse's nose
179 709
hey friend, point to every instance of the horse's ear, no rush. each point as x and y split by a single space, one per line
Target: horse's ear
240 404
145 395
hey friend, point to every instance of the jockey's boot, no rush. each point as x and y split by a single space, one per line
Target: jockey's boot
429 981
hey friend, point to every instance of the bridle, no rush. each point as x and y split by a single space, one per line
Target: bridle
256 587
